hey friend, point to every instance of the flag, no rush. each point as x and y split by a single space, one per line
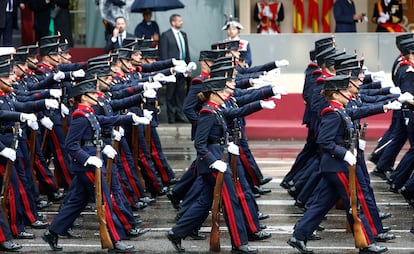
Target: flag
313 15
298 16
326 15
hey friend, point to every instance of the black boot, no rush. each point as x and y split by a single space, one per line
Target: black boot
52 239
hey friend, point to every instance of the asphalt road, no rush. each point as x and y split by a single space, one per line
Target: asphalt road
275 159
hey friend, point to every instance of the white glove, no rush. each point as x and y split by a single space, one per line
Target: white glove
279 90
8 153
116 135
267 104
267 12
27 117
121 131
51 104
274 72
233 148
64 111
362 144
162 78
381 19
257 82
94 161
405 97
350 158
151 93
395 105
191 66
58 76
152 85
33 125
180 69
148 114
281 63
109 151
179 62
277 96
78 73
387 84
395 90
138 119
219 165
55 93
386 16
378 76
47 123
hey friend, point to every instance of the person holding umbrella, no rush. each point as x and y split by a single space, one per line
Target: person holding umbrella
147 29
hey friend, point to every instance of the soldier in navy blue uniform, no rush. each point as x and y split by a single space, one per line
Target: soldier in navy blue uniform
22 207
334 140
209 142
81 143
6 244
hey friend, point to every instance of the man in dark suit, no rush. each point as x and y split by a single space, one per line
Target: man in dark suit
346 16
173 44
6 22
114 40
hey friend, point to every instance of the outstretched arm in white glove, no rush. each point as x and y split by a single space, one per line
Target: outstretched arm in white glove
27 117
395 105
281 63
51 104
267 104
47 123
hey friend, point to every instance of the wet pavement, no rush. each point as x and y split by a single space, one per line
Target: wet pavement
275 159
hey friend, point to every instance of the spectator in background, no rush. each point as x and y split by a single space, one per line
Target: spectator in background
268 14
346 16
147 29
387 14
6 23
174 44
51 17
114 40
233 28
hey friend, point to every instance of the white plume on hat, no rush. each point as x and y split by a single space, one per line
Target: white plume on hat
232 22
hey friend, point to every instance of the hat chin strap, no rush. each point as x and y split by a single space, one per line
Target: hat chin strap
90 97
221 98
343 95
354 85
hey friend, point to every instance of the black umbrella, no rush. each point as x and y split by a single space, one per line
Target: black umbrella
156 5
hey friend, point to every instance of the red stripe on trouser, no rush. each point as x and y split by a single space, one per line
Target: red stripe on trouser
158 163
246 209
128 172
25 201
45 176
108 215
120 215
150 173
230 216
247 167
13 212
59 154
345 182
366 210
2 235
125 190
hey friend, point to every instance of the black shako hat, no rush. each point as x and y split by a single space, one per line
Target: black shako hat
214 84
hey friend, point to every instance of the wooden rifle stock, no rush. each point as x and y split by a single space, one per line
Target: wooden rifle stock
110 162
106 242
359 236
233 157
215 216
8 172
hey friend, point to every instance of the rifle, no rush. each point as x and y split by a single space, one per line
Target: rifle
106 241
215 214
8 171
359 236
233 158
110 161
